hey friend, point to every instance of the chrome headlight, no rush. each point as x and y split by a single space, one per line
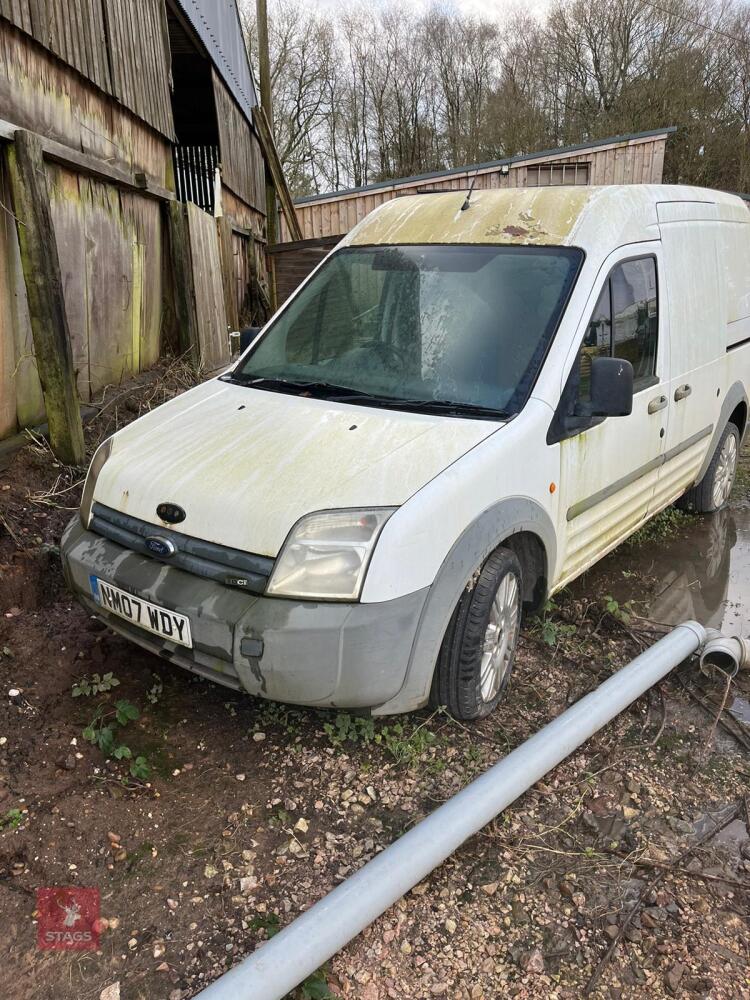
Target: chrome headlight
325 556
101 455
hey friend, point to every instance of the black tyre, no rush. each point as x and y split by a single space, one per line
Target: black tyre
476 658
713 491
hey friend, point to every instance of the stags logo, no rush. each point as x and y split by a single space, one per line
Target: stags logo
68 918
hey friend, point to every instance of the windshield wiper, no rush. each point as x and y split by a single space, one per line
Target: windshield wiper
429 405
346 394
286 384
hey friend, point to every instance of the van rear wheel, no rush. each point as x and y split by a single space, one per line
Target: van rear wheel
476 658
713 491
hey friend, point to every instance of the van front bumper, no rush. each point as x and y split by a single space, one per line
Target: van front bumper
311 653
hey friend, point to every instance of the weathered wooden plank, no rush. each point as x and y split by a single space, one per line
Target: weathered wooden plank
18 12
657 163
242 169
41 270
79 59
96 167
229 276
213 334
274 164
143 217
140 61
8 393
15 324
66 210
109 285
39 21
182 282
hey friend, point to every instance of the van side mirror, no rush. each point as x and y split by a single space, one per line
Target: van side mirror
611 387
247 336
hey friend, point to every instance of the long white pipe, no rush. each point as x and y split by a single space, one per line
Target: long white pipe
282 963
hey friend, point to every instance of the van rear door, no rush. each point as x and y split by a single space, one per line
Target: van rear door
695 306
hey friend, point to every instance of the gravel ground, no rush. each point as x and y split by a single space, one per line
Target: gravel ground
241 813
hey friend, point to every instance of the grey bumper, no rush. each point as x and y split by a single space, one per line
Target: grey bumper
325 654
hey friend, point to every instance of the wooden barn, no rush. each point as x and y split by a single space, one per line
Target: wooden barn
324 219
133 166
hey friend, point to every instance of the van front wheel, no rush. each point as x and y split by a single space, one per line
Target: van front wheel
476 658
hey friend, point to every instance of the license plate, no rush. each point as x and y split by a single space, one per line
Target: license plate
160 621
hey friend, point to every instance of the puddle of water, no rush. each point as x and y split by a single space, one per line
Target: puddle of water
734 836
740 709
702 573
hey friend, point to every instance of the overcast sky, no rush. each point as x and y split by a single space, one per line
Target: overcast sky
496 9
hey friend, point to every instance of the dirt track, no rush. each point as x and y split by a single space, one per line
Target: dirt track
251 810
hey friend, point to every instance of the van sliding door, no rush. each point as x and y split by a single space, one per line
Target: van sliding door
694 302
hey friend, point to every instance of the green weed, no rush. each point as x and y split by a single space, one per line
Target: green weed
550 629
154 693
403 741
664 525
621 612
104 732
87 688
11 820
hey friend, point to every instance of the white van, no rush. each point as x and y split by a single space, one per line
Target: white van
456 414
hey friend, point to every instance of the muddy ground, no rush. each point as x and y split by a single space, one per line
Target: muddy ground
240 813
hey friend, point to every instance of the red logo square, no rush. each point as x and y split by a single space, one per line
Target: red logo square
68 918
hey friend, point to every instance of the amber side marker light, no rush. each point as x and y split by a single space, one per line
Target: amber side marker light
552 487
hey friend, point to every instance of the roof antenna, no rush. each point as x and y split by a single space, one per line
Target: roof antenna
471 188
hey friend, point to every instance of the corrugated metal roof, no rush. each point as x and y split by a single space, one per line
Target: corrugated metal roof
523 157
217 23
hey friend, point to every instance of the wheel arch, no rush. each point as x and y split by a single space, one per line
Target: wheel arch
733 409
519 523
738 417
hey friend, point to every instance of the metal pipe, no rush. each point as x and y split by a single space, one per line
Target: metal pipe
282 963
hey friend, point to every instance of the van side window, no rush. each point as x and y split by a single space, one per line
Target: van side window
624 324
597 343
635 317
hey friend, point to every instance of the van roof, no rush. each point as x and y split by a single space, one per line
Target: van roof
546 216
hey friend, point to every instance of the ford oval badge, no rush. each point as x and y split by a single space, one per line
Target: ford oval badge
160 546
171 513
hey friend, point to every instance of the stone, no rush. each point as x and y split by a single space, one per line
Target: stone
535 962
674 976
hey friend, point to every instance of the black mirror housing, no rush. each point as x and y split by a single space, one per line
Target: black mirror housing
247 336
611 387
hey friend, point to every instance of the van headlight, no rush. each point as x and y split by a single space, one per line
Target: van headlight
325 556
101 455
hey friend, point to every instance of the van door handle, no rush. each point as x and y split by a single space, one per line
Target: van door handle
682 392
657 404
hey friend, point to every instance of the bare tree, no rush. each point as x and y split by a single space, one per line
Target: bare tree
369 92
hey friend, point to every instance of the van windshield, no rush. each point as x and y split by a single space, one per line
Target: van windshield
453 329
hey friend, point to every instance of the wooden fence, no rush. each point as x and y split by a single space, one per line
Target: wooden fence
292 262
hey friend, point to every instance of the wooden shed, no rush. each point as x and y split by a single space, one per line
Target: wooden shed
324 219
131 142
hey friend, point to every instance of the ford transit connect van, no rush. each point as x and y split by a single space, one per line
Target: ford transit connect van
456 414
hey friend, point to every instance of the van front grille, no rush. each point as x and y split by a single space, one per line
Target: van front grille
231 567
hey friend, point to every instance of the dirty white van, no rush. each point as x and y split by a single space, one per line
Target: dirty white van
456 414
